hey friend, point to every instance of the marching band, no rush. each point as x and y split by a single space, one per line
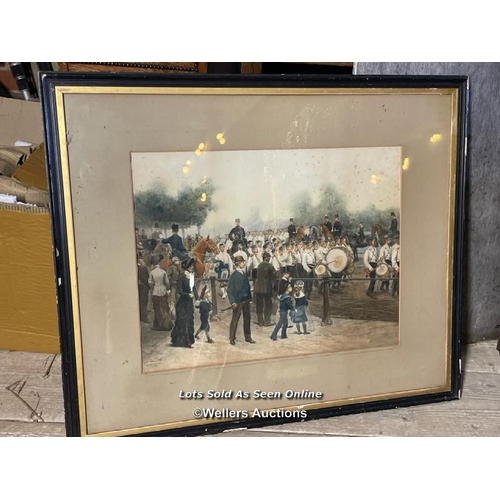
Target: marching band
275 263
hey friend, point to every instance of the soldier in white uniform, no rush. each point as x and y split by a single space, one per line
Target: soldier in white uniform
224 267
370 260
308 264
241 253
385 258
395 267
252 264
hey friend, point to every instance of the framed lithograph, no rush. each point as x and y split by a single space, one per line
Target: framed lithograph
245 251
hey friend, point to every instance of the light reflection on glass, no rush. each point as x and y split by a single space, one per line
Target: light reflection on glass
436 138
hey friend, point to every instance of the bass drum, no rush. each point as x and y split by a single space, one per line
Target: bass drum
339 259
320 271
383 271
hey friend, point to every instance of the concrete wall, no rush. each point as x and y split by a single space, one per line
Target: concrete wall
481 309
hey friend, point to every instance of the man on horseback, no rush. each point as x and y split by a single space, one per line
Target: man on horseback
361 233
337 227
327 223
393 230
292 230
237 235
175 241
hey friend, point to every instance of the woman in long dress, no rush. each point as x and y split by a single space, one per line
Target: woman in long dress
183 332
159 285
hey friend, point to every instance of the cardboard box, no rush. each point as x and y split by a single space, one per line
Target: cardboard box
20 121
28 313
27 285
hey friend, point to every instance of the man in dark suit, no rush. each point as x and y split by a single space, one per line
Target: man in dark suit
263 289
327 223
292 230
240 296
337 227
175 241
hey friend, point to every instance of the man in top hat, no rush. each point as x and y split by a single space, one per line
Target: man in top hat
292 230
337 227
240 296
175 241
393 230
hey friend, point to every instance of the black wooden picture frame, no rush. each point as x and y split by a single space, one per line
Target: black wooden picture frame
69 99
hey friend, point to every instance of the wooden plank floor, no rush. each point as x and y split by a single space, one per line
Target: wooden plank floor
31 404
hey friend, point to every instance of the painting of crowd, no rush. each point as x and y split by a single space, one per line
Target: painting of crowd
281 271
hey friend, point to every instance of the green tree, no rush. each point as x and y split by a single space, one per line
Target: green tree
304 211
189 208
332 202
154 206
193 204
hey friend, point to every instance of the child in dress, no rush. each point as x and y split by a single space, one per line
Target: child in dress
299 315
205 306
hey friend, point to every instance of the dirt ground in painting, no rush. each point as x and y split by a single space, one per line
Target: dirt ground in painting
357 322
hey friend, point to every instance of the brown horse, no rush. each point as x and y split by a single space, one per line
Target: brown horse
323 229
299 235
203 247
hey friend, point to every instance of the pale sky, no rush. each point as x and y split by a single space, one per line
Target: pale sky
268 180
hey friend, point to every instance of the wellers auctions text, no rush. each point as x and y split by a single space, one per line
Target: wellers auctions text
255 394
210 413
